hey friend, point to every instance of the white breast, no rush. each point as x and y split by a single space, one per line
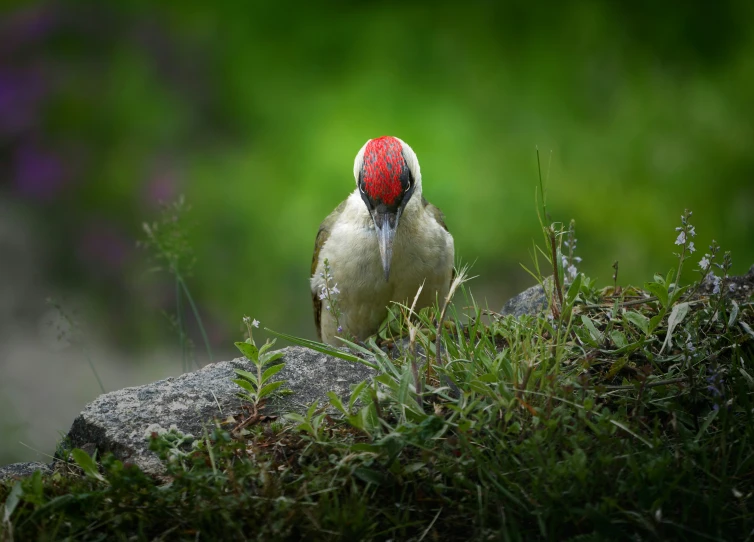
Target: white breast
422 252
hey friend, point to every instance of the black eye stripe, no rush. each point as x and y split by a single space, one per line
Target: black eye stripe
407 179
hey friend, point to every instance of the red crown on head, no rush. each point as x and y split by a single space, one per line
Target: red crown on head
383 164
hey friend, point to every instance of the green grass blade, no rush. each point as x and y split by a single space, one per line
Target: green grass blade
322 347
197 316
179 316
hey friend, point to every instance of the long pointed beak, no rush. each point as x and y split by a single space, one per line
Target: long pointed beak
386 223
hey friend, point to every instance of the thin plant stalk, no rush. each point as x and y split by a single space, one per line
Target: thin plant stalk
541 187
196 315
412 330
457 281
688 231
94 370
555 273
77 330
181 334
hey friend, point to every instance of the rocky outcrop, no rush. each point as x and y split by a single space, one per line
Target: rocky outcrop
122 421
739 288
531 301
21 470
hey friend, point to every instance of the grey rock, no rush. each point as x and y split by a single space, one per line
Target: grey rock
736 287
534 300
21 470
122 421
531 301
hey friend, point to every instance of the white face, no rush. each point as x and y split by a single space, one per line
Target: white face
408 155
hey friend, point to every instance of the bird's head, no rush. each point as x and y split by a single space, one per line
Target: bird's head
387 176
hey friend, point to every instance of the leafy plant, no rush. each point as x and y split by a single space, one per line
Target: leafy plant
258 387
312 422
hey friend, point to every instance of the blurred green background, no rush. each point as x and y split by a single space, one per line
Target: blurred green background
254 111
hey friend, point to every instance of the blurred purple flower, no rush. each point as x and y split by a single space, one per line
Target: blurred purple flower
29 24
716 385
102 247
163 186
20 95
39 173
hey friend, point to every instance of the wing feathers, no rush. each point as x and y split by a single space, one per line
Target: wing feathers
322 236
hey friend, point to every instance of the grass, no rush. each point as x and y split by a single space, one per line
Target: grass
617 414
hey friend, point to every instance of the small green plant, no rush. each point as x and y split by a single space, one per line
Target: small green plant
313 422
88 464
172 444
258 387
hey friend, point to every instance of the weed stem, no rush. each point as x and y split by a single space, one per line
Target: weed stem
196 315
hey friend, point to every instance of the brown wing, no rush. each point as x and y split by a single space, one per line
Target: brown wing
440 218
435 212
322 235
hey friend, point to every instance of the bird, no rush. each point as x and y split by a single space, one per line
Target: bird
380 245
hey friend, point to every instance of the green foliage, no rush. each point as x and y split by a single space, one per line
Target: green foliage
323 348
167 239
173 445
258 387
312 422
626 416
87 463
649 107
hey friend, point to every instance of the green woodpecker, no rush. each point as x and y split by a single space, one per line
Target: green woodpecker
381 244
